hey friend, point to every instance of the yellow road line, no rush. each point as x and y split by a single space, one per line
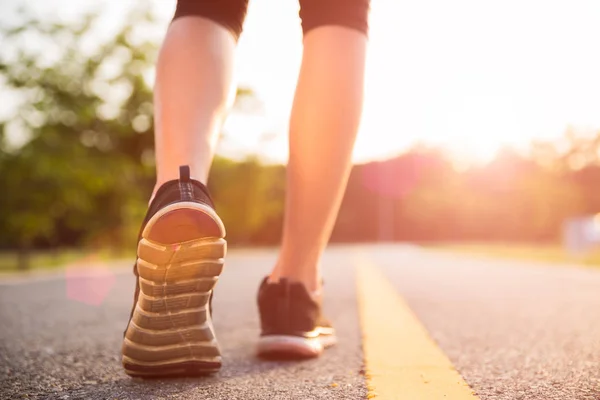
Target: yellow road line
402 361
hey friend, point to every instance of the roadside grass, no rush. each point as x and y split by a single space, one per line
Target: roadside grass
60 258
551 253
56 259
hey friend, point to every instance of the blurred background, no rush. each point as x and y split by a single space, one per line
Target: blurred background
481 128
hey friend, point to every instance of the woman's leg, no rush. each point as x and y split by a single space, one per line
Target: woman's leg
193 87
324 122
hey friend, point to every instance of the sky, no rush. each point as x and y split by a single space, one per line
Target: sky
471 76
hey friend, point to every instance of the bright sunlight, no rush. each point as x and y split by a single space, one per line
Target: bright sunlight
466 75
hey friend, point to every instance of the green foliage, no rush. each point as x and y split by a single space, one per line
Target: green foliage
83 170
78 172
249 199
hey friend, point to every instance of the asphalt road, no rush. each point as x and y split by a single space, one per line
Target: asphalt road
514 330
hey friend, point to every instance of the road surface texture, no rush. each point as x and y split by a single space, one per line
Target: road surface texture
513 330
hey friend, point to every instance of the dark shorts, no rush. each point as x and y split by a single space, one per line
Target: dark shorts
313 13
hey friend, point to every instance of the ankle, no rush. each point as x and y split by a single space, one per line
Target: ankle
310 279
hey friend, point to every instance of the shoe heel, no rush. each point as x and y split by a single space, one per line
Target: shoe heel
180 257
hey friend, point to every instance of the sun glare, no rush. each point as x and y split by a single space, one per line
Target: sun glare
446 74
434 80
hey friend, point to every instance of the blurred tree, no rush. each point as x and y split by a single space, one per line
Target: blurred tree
83 165
250 198
77 161
85 131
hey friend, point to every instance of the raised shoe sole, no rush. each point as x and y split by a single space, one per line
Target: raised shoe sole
180 257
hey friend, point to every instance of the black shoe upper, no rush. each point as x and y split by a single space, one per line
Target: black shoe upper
178 190
286 308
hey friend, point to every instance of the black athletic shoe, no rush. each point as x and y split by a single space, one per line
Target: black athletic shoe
291 321
180 254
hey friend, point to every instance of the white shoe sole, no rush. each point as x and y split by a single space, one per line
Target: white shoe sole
293 346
